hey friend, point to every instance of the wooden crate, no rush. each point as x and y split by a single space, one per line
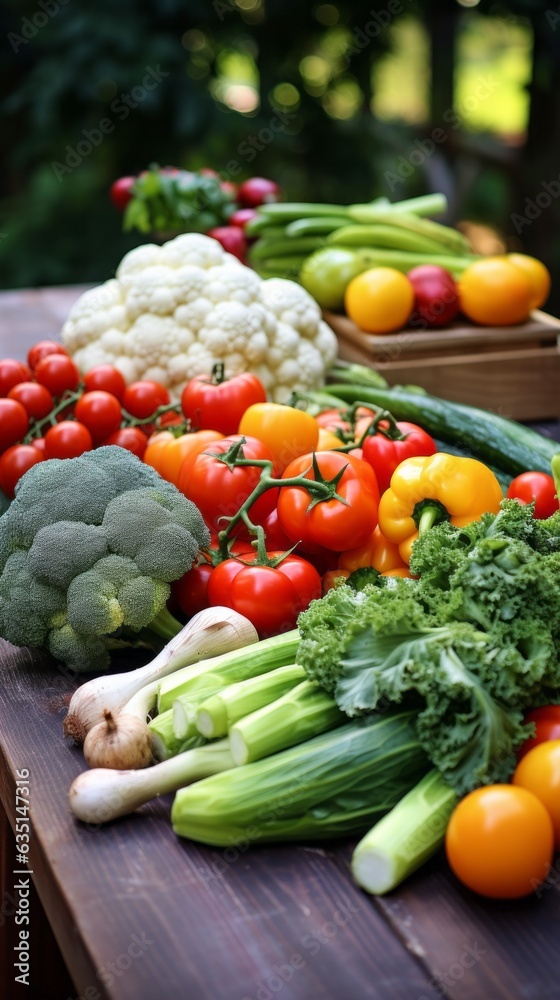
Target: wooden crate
512 370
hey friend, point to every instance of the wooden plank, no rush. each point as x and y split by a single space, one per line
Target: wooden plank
137 912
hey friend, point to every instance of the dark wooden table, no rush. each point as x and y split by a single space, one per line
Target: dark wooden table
138 914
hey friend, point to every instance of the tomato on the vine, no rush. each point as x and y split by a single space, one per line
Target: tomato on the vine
131 438
142 399
217 403
14 462
12 373
58 373
100 412
270 597
67 440
179 449
537 487
334 524
384 453
218 490
14 422
36 399
107 378
39 444
41 350
191 591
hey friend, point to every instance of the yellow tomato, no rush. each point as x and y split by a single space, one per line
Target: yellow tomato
328 441
500 841
538 275
539 773
155 448
287 431
495 292
379 300
176 451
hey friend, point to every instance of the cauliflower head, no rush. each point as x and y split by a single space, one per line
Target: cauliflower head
173 311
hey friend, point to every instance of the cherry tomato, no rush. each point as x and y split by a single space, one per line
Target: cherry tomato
377 551
131 438
100 412
384 453
67 440
270 597
332 420
14 462
58 373
39 444
11 374
120 192
191 591
258 191
287 431
537 487
142 399
107 378
218 404
331 523
219 491
276 537
547 725
14 422
539 773
169 419
36 398
41 350
328 579
500 841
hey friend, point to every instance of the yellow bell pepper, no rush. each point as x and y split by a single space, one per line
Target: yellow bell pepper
440 487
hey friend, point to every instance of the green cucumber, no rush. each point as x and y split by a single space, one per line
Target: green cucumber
503 443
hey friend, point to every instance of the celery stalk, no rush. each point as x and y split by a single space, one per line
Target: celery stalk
164 742
228 668
406 837
218 713
303 712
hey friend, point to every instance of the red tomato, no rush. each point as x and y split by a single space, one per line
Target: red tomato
384 454
41 350
219 491
329 579
58 373
106 378
67 440
14 422
36 399
335 525
14 462
191 591
535 487
142 399
218 404
11 374
270 597
100 412
242 216
547 723
258 191
39 444
120 192
332 420
131 438
276 537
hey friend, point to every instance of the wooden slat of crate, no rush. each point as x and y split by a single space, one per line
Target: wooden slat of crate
512 370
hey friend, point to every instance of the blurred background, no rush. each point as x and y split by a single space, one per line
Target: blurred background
397 98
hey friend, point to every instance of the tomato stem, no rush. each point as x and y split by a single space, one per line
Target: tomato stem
36 428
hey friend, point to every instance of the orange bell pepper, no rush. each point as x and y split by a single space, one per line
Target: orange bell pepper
377 551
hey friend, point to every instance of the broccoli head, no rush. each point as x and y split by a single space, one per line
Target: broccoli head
88 548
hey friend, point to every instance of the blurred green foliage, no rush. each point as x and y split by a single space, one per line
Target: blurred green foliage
270 87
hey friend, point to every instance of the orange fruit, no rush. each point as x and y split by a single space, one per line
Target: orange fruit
379 300
495 292
538 275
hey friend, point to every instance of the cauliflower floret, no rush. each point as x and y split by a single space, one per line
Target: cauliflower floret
173 311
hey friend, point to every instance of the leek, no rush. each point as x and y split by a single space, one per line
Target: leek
303 712
334 785
218 713
406 837
220 671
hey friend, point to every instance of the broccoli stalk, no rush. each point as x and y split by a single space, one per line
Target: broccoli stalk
88 548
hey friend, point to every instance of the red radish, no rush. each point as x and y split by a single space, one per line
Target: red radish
242 216
436 295
258 191
121 192
228 187
232 240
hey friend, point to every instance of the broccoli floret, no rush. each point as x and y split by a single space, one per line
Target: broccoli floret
366 576
89 546
4 503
